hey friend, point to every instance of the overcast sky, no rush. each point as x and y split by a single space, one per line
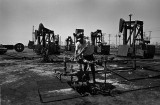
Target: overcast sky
17 17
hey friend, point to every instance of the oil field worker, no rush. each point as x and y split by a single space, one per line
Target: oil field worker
84 52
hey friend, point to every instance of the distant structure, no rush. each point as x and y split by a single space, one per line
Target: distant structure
134 44
97 41
44 41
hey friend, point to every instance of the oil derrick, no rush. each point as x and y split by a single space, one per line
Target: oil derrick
47 41
134 43
100 47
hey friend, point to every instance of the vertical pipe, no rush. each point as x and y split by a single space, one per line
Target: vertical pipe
33 35
105 77
105 71
125 35
65 65
116 40
130 27
39 39
109 35
101 37
119 38
150 35
49 43
43 38
74 39
134 48
142 32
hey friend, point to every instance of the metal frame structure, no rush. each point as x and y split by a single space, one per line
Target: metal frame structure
97 41
69 44
47 41
106 70
136 32
96 37
137 45
78 32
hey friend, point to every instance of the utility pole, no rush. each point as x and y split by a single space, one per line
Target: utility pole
109 35
144 34
116 39
33 35
103 41
119 38
60 41
150 35
130 15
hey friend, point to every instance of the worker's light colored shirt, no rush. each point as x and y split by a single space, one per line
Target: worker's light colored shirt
86 43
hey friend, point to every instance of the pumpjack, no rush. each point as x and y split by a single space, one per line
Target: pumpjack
134 44
69 44
47 43
97 41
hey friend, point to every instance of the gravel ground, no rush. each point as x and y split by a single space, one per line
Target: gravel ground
18 82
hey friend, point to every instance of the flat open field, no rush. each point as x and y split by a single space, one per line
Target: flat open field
22 82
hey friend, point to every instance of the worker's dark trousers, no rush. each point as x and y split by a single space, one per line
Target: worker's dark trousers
90 58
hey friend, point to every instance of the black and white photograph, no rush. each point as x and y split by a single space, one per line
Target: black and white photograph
79 52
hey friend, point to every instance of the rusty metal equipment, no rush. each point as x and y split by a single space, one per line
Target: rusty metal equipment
19 47
69 44
100 47
82 85
47 41
134 44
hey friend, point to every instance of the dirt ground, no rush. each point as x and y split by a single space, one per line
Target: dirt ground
18 84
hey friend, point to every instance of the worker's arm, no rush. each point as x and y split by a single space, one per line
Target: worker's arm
77 55
82 51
